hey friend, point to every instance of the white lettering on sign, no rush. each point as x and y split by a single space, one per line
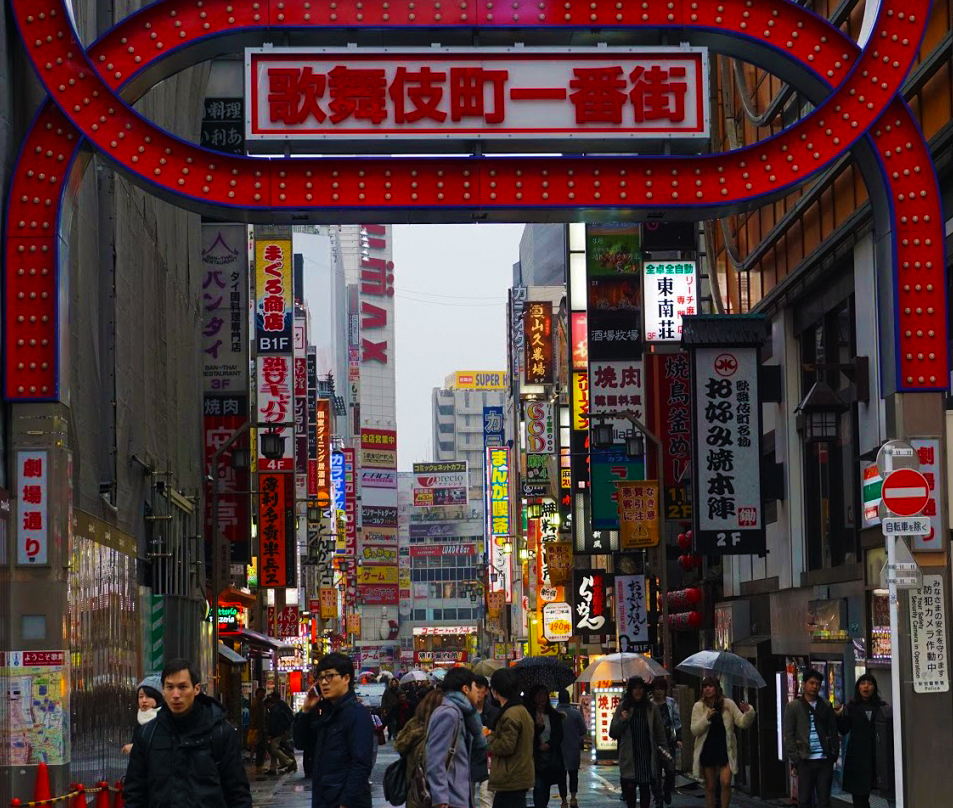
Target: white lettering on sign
928 650
496 93
32 508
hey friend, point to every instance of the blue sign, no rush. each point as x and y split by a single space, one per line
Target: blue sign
337 480
493 434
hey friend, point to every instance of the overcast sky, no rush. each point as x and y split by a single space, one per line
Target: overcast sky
451 283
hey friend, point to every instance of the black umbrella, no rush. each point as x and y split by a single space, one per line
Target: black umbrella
551 673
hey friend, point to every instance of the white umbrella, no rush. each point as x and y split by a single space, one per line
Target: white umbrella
724 665
620 667
439 673
414 676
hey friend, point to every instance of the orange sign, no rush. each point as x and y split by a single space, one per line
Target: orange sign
638 513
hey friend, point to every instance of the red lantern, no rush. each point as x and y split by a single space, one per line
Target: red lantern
684 600
684 543
696 561
690 534
695 619
685 561
686 621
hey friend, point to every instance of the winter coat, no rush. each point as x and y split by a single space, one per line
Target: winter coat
192 762
411 744
490 713
868 758
797 729
448 757
279 719
732 717
257 718
549 761
674 724
621 730
574 734
389 701
511 750
342 736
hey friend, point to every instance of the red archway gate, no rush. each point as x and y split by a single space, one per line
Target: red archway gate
855 90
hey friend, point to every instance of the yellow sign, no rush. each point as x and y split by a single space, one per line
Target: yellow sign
478 380
354 624
376 574
580 401
379 554
638 513
329 603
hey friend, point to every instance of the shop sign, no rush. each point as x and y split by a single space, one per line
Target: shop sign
536 482
638 514
378 554
436 550
871 484
578 331
337 480
617 385
538 331
350 501
276 516
558 558
609 467
385 439
669 391
225 308
378 478
540 432
479 380
33 508
580 401
495 603
631 613
276 406
439 497
287 622
928 633
376 574
501 567
614 292
231 618
354 624
273 307
378 594
517 338
613 250
434 531
605 701
291 659
493 432
498 490
590 588
377 283
443 631
728 513
322 463
378 515
522 95
383 535
669 294
378 459
557 622
438 657
928 453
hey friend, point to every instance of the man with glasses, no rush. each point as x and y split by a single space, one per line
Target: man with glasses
340 731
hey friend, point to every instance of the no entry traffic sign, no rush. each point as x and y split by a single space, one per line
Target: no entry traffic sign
905 492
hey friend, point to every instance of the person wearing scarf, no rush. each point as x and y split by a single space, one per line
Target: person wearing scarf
150 701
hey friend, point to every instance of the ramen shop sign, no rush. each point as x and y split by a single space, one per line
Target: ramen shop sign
498 94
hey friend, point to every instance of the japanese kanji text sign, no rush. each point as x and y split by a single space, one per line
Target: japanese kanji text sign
538 333
669 384
928 452
276 406
931 671
273 307
273 530
638 513
590 593
668 295
728 512
33 508
502 94
498 490
617 385
224 310
632 613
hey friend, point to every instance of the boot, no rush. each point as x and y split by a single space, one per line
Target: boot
573 802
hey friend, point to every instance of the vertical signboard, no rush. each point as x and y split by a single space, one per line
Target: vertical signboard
590 593
499 522
493 430
669 391
322 461
518 297
928 632
727 479
276 523
631 613
638 514
376 294
616 385
669 289
274 310
928 453
614 294
538 333
32 528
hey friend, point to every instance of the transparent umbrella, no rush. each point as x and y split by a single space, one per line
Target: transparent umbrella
620 667
486 667
414 676
734 669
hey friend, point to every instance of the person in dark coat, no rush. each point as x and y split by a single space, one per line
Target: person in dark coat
638 727
341 733
149 699
278 721
189 755
574 737
547 745
868 763
389 707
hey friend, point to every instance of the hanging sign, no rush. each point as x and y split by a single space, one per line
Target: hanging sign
728 512
670 410
638 513
928 453
540 433
538 330
590 593
928 633
631 613
669 294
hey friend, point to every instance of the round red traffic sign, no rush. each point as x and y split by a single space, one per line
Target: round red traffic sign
905 492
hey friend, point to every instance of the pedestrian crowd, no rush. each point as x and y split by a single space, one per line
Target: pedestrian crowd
478 743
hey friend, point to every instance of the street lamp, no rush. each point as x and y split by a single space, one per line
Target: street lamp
635 445
272 445
819 412
602 435
314 513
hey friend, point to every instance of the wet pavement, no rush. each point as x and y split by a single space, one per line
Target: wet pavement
598 788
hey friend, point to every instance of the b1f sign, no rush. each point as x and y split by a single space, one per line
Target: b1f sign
575 96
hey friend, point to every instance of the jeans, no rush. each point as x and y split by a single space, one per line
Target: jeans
509 799
814 777
573 784
629 788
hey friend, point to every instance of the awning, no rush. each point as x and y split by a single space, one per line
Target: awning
233 595
231 656
259 640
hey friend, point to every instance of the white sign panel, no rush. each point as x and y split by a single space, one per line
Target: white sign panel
631 613
931 673
669 294
557 622
513 94
728 459
33 510
614 385
928 453
907 526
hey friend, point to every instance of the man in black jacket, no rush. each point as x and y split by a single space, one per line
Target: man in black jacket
278 727
811 743
189 755
341 732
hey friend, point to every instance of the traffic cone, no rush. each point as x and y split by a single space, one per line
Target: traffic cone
102 796
119 802
41 791
79 801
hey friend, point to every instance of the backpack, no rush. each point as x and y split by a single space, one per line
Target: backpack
395 782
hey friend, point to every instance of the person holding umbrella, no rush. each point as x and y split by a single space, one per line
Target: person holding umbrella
714 719
638 727
547 745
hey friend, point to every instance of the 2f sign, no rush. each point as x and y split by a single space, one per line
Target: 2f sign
734 537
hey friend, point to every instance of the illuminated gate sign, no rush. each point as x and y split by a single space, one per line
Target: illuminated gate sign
503 94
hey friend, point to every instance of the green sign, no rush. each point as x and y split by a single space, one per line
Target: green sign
607 467
613 249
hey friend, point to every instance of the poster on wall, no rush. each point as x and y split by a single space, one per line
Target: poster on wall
37 711
928 632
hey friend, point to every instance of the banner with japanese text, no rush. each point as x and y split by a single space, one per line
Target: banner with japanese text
224 415
276 546
593 614
274 311
631 599
669 406
538 331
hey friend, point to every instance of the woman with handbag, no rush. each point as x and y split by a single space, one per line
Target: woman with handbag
714 719
411 744
638 727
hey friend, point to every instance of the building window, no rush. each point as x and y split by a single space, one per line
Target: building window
830 470
438 614
420 614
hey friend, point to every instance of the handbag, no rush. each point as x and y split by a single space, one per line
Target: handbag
395 782
421 788
665 759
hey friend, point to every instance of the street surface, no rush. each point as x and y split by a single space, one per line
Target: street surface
598 788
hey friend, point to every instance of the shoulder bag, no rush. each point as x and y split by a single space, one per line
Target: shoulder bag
421 788
395 782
